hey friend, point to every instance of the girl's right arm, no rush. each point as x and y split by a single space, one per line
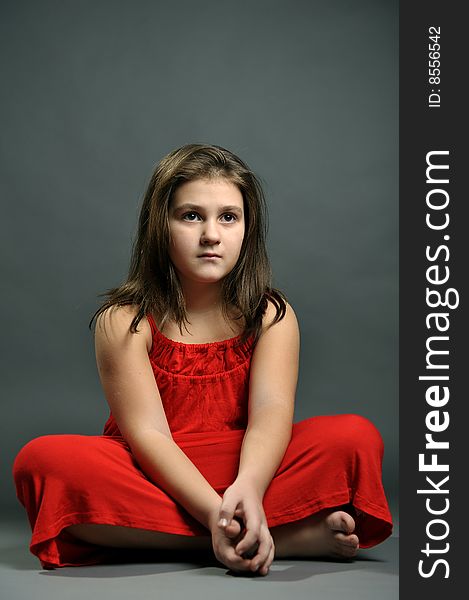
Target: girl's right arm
132 394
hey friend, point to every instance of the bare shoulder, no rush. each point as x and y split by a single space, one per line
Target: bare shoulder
288 324
113 327
275 363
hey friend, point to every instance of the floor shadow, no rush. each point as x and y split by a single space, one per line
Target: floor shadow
287 570
140 563
281 571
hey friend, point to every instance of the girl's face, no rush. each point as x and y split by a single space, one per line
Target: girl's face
206 224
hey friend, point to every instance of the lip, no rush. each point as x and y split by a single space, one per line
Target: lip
209 255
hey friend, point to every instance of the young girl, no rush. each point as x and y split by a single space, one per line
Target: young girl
198 358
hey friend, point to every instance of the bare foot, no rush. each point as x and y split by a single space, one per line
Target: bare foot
327 534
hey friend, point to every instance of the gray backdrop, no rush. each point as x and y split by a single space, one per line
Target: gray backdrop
96 92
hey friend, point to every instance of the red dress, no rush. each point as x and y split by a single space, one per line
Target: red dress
67 479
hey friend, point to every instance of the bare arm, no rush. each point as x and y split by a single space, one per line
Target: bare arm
131 391
274 375
272 387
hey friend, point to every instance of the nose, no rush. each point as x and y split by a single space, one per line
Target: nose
210 234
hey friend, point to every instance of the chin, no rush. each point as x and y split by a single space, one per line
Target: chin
208 279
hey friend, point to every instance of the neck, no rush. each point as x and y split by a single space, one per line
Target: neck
202 298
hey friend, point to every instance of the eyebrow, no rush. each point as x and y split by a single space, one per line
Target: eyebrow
190 206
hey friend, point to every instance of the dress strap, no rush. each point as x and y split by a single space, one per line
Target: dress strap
152 323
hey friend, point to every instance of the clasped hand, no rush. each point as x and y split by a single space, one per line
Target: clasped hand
241 539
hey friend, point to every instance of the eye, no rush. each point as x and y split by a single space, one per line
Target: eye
229 217
190 216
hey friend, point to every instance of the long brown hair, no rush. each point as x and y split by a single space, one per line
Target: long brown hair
153 284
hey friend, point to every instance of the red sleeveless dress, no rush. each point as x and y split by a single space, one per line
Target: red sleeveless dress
67 479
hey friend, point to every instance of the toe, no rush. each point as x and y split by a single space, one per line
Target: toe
340 521
346 540
346 545
344 550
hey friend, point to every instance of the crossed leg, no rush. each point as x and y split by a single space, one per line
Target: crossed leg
328 533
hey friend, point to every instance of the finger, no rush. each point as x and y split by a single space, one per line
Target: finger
237 562
264 548
248 542
260 557
233 530
251 534
252 552
264 568
227 511
238 518
251 537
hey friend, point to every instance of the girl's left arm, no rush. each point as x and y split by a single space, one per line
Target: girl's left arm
272 387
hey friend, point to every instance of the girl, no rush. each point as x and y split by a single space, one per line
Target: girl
198 359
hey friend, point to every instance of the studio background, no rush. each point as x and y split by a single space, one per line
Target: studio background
97 92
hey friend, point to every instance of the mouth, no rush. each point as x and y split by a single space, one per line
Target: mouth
209 255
